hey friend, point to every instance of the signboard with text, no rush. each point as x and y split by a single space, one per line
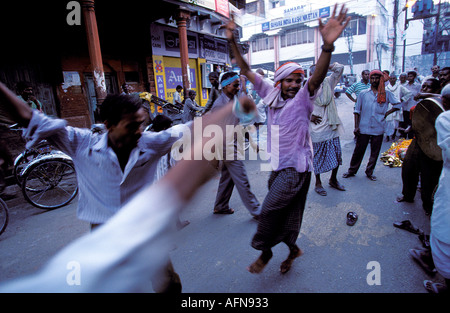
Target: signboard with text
223 8
209 4
296 19
213 49
175 78
165 41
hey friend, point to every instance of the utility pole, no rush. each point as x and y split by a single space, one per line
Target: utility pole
436 35
349 36
404 36
394 46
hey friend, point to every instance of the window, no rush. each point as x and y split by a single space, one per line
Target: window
356 26
297 37
362 26
264 43
132 77
251 7
278 3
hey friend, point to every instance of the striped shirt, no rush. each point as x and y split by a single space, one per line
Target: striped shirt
356 88
103 187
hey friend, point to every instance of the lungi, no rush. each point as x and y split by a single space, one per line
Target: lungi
327 155
282 210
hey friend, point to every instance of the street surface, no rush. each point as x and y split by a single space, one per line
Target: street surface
212 253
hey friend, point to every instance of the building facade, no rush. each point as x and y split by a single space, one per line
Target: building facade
74 53
376 37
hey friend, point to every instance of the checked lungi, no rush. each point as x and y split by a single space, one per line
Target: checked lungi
282 210
327 155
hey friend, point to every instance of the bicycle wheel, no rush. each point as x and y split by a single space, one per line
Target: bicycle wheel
23 159
3 216
50 183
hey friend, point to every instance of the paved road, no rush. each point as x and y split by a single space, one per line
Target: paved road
212 253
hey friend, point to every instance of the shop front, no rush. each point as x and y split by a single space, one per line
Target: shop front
206 54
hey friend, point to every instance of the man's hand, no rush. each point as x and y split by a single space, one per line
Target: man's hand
316 119
356 132
333 28
230 27
247 104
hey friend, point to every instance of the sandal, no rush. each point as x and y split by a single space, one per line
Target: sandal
352 217
408 226
372 177
432 287
224 211
320 191
347 175
337 185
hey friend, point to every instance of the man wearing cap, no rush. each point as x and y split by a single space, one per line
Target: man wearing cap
290 106
233 171
370 114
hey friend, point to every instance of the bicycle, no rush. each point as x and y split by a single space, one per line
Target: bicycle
28 155
50 181
23 159
46 176
4 217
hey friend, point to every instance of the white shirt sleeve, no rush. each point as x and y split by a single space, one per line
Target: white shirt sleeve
119 256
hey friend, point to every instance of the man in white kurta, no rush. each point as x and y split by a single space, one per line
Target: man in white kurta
393 120
325 128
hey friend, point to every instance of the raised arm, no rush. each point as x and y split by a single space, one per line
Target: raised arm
19 110
245 68
330 33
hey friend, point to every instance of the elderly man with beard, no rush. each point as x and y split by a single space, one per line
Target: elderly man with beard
370 113
290 106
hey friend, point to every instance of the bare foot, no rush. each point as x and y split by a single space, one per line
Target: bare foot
258 266
286 265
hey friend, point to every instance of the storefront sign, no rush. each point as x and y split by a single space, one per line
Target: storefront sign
209 4
297 19
172 42
166 41
174 77
213 50
223 8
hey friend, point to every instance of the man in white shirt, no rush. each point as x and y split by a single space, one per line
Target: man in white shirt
414 87
177 96
111 167
122 254
325 128
434 73
403 94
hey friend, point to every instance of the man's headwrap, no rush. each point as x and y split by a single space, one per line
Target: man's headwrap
381 90
281 73
229 80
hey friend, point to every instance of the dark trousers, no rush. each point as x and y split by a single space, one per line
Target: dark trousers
406 122
418 165
234 174
362 141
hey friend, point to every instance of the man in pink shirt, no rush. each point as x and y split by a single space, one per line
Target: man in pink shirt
290 107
